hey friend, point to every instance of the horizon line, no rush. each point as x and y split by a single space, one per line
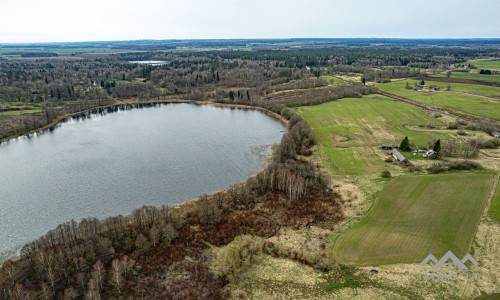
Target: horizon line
256 39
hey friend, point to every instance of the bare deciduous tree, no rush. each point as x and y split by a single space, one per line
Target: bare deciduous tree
117 279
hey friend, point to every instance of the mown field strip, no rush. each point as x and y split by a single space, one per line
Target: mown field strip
417 215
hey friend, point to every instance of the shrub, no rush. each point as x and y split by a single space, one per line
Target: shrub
388 159
452 126
464 165
489 144
456 165
413 168
386 174
461 132
229 260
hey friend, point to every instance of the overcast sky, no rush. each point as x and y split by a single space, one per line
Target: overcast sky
95 20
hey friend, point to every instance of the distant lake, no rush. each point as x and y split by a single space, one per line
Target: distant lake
149 62
115 160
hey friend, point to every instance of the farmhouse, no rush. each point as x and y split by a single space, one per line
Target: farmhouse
431 154
430 87
397 155
385 146
496 134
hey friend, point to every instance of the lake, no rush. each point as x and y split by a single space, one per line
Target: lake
112 161
149 62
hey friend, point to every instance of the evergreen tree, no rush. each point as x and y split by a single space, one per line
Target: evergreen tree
437 146
422 82
363 79
231 95
405 144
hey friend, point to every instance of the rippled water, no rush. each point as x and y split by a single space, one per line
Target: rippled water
112 162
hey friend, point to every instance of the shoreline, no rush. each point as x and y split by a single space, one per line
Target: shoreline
185 205
118 102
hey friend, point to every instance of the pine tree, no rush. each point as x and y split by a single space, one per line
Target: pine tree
363 79
422 82
405 144
437 146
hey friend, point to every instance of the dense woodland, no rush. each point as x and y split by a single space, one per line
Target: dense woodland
169 252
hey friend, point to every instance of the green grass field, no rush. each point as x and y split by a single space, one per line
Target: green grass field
494 211
348 129
483 90
25 111
332 80
464 103
417 215
463 75
485 64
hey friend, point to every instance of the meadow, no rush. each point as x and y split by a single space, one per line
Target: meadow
349 130
473 105
472 76
494 211
417 215
482 90
485 64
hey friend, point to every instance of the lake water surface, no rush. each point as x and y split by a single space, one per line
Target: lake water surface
115 161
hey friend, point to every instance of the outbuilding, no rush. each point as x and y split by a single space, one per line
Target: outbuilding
397 155
385 146
496 134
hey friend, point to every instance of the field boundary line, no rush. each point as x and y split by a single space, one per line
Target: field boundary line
486 207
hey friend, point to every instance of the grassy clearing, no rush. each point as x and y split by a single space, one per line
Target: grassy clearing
332 80
473 105
21 112
271 278
417 215
485 64
494 211
349 129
